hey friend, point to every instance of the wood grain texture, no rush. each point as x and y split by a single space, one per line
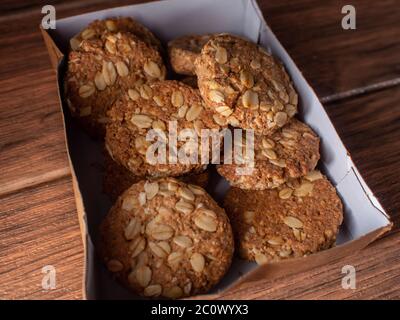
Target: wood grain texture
370 129
38 222
334 60
32 144
39 227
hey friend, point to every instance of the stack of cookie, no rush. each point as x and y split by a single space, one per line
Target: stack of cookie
282 207
165 235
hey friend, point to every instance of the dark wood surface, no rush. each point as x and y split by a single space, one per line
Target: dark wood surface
356 73
337 62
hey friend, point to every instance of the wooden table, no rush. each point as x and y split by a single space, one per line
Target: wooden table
356 73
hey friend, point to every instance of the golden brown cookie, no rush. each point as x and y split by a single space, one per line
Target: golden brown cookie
117 178
98 28
103 68
166 238
290 152
154 107
183 52
301 217
245 84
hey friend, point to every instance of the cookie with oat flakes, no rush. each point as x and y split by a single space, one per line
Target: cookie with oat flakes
159 106
183 52
297 219
290 152
166 238
103 68
97 28
245 84
117 178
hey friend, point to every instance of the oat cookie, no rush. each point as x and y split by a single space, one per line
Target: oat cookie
301 217
290 152
166 238
183 52
97 28
103 68
117 178
153 107
245 84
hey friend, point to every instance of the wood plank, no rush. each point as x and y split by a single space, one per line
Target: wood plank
39 227
11 7
370 129
334 60
32 144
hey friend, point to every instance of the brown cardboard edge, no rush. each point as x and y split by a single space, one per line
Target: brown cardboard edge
297 265
82 224
55 58
54 52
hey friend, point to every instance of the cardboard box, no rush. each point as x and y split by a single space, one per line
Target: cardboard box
364 218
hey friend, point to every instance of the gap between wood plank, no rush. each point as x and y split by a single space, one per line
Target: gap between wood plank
360 91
